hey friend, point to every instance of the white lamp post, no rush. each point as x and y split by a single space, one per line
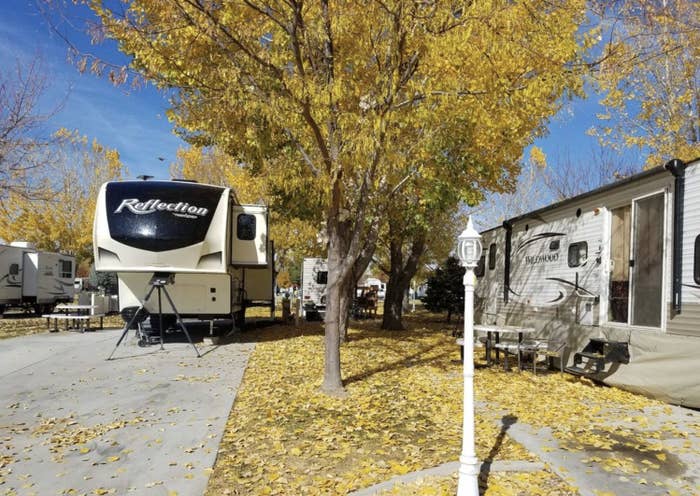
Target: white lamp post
469 251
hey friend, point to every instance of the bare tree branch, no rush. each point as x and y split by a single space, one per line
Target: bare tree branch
25 143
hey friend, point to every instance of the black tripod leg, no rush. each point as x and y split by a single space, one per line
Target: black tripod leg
124 332
179 321
160 317
131 321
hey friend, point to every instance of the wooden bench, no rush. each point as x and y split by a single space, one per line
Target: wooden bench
460 342
72 321
549 348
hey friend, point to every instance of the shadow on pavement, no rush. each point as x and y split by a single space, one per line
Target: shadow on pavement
506 422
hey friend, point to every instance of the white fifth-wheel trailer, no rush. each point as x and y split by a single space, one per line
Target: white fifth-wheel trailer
314 282
217 249
615 273
34 279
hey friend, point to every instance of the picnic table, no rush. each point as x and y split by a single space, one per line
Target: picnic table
365 305
493 340
76 317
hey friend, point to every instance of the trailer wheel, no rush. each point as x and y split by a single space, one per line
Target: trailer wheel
238 319
169 320
2 310
313 315
127 314
40 310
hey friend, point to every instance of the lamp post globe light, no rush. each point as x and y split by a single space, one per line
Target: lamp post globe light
469 252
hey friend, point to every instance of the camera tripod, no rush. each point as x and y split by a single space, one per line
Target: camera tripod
158 283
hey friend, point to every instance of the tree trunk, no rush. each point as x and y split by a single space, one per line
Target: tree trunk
345 255
359 268
345 308
336 292
393 308
400 276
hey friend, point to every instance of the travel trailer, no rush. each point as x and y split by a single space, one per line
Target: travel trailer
215 251
615 273
314 279
35 279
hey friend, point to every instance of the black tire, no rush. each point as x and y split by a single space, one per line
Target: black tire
313 316
169 321
127 314
239 319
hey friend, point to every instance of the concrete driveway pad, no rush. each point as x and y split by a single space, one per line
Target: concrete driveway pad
147 422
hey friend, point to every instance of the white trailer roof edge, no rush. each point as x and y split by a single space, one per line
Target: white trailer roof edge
668 168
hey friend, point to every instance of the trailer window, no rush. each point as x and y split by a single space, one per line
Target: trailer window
696 267
492 256
578 253
14 269
245 228
480 267
322 277
65 268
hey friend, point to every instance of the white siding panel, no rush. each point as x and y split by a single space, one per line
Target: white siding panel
540 272
488 297
688 321
691 230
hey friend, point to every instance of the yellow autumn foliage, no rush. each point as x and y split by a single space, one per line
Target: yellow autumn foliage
648 78
61 218
294 237
324 98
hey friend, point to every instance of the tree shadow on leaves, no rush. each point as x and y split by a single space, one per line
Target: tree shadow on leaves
506 422
274 332
414 325
415 359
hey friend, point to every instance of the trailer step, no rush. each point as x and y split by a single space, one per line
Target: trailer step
594 357
579 371
591 355
596 360
613 351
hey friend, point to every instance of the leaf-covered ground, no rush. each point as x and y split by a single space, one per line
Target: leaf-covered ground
541 483
16 324
403 413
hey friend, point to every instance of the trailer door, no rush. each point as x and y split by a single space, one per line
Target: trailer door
619 294
30 274
259 282
249 235
647 261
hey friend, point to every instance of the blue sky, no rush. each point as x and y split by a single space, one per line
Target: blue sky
133 120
